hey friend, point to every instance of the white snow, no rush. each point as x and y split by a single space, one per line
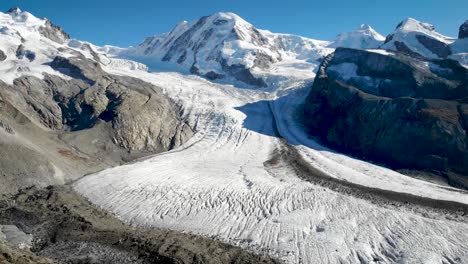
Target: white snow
229 37
365 37
407 32
381 51
218 185
22 28
223 183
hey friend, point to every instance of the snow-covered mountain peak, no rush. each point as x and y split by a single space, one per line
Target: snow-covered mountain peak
20 16
227 19
14 10
418 38
411 24
365 27
365 37
225 45
463 30
368 30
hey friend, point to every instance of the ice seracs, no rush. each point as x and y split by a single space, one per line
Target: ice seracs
365 37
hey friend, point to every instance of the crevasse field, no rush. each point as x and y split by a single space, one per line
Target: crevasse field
229 182
251 177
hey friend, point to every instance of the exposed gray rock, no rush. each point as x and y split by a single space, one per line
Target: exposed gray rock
401 47
463 32
399 110
181 43
21 53
94 120
6 127
53 32
3 56
187 44
242 73
78 68
439 48
142 119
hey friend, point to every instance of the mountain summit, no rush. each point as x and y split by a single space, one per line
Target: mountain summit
225 45
463 31
365 37
419 39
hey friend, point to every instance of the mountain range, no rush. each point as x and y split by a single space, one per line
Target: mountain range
250 146
225 45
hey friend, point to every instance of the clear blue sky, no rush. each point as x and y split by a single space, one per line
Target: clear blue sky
125 23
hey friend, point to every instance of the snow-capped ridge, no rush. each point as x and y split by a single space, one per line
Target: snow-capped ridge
365 27
418 38
14 11
224 45
411 24
21 16
364 37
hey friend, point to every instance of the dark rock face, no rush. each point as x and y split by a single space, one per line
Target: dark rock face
401 47
83 69
21 53
463 32
180 44
242 73
396 109
439 48
3 56
141 119
80 125
53 32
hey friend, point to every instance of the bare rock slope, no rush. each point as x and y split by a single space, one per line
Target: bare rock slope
395 109
58 129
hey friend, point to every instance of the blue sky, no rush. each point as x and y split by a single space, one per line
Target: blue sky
125 23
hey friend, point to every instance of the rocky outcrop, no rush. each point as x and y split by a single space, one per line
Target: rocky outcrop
22 52
53 32
61 128
3 56
463 31
395 109
439 48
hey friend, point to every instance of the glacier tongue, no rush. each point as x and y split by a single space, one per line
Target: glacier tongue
235 181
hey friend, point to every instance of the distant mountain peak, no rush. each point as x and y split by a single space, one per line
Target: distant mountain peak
14 10
418 38
411 24
463 31
364 37
365 27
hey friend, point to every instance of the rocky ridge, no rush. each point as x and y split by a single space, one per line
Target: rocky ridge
393 108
